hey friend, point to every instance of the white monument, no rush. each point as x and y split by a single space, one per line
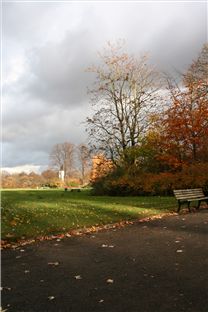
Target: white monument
61 175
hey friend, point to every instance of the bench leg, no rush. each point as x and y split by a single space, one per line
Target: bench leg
189 206
199 202
179 206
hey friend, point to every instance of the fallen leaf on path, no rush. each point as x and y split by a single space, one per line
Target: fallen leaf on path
107 246
53 263
7 288
51 297
179 250
9 235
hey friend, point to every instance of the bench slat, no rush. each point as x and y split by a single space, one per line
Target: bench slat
185 194
188 192
189 196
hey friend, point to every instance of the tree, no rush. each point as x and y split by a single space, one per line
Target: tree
84 157
125 91
100 167
62 157
50 177
198 71
186 120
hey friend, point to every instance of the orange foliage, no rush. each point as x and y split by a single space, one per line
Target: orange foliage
185 136
163 183
100 167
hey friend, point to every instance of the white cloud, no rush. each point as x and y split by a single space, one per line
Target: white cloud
24 168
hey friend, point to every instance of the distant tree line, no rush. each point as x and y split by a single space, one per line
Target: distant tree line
75 161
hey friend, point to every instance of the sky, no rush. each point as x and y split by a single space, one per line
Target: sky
47 47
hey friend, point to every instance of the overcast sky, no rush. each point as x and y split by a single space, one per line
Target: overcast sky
46 47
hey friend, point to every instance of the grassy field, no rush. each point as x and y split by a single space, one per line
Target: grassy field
32 213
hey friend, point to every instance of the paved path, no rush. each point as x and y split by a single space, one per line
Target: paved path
161 265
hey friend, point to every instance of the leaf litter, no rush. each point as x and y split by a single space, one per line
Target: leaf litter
80 232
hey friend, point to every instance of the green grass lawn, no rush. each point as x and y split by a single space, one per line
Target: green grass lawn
32 213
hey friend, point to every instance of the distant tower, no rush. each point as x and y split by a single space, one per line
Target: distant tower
61 173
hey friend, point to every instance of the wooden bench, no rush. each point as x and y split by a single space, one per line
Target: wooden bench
75 190
72 189
188 196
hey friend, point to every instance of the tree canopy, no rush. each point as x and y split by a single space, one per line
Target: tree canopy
125 90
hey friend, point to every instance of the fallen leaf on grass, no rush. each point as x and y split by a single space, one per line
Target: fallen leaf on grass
78 277
110 281
101 300
27 271
79 232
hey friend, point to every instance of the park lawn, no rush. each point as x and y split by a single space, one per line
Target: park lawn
33 213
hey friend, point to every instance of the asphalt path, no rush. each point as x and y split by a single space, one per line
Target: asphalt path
159 265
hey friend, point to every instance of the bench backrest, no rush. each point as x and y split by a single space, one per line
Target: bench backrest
188 194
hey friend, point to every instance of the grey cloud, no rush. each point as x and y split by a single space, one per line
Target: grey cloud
22 22
181 40
58 69
33 139
47 102
59 75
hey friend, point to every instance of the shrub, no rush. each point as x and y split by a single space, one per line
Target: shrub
134 182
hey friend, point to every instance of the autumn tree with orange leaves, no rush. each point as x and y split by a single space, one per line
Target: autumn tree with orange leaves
185 122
